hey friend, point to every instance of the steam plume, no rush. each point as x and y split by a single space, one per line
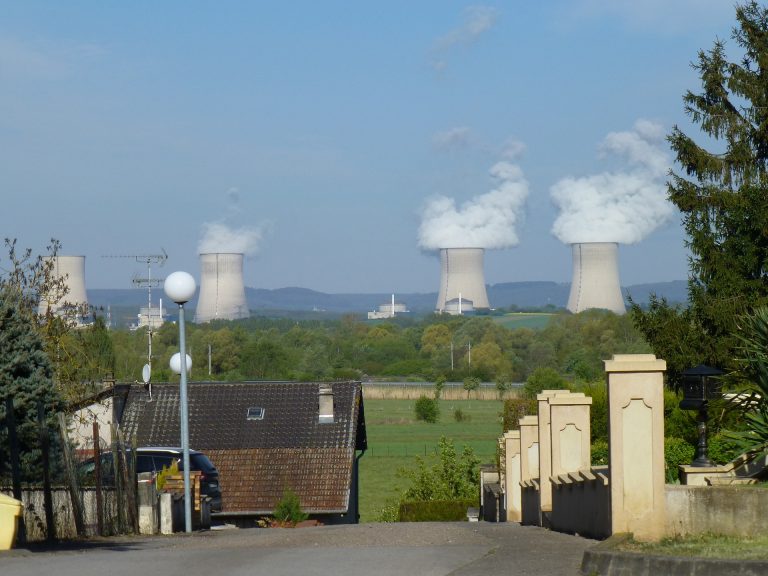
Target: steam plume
486 221
622 206
219 238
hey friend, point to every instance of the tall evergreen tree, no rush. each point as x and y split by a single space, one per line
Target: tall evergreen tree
722 194
25 377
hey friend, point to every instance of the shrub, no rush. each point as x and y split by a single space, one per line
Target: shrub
452 477
676 452
459 416
600 453
516 408
435 510
427 409
289 508
721 449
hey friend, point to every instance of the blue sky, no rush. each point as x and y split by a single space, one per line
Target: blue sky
320 130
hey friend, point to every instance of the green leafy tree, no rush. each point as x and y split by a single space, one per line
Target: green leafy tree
543 379
439 385
471 383
722 196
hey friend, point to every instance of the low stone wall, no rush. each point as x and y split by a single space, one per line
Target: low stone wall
530 499
726 510
581 503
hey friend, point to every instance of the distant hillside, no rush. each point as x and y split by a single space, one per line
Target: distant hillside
125 303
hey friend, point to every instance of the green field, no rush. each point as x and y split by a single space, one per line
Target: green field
395 439
535 320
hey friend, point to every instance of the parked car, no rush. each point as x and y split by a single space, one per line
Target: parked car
153 459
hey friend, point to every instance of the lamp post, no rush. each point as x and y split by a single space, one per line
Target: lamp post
700 385
180 287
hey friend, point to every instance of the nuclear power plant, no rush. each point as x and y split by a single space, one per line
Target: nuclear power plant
222 291
72 270
595 282
462 280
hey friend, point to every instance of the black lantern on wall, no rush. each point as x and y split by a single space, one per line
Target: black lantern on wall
700 385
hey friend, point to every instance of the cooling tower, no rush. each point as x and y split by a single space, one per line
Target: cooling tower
222 291
595 281
461 276
72 270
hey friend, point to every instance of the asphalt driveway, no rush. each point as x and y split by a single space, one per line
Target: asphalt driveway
458 549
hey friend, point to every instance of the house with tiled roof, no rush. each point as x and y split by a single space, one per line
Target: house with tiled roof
264 438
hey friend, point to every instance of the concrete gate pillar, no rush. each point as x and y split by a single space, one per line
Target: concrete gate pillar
636 444
512 475
545 449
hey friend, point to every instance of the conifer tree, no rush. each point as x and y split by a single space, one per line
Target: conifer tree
25 377
722 193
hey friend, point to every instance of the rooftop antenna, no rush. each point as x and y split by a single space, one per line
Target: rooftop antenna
148 282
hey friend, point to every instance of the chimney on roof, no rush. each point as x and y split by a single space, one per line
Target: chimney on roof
325 404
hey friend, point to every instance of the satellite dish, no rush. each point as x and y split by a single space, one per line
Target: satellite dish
146 372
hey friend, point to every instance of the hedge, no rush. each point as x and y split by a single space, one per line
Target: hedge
435 510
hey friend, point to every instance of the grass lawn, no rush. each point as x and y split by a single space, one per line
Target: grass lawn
396 439
706 546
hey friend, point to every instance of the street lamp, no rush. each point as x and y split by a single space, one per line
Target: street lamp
180 287
700 385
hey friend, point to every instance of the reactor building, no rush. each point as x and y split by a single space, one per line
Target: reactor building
72 270
462 281
222 290
595 282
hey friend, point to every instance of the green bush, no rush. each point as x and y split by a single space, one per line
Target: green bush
427 409
676 452
600 453
721 450
598 413
459 416
435 510
289 508
516 408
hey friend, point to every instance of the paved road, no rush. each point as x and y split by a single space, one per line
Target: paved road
456 549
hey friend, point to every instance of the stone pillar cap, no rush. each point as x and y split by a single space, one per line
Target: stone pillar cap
635 363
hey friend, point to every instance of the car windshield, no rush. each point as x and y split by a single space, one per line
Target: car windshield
202 463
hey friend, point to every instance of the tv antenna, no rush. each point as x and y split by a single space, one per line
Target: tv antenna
147 282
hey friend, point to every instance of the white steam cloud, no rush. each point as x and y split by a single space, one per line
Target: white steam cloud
477 21
622 206
219 238
486 221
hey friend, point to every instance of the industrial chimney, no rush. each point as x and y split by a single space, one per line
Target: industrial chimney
72 270
595 281
222 291
461 276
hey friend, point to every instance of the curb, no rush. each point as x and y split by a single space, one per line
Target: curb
604 560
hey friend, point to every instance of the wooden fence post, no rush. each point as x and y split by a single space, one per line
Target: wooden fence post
45 447
74 492
97 477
